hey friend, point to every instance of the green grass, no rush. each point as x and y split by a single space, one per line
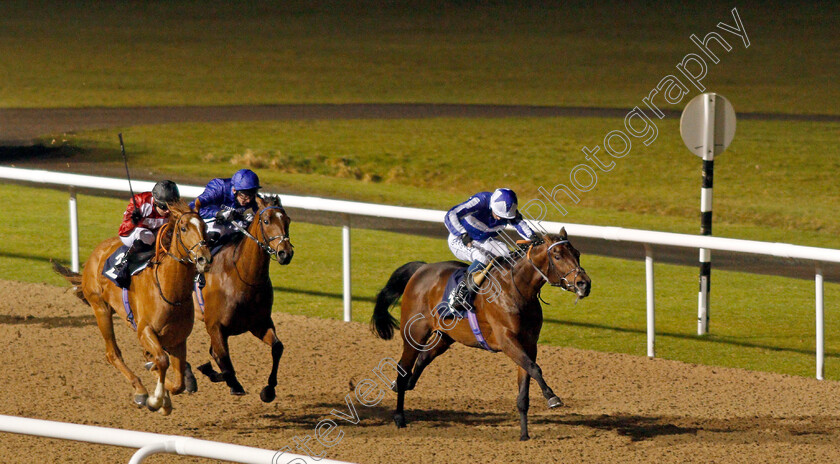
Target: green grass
776 182
757 322
85 53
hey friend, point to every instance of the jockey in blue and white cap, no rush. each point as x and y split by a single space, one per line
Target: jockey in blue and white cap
473 227
226 200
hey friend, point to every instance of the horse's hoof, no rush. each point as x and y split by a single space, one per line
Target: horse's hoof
555 402
140 400
524 437
209 372
166 409
399 419
394 385
154 403
237 391
267 394
149 365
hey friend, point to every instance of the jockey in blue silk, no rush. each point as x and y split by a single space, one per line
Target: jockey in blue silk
227 200
473 226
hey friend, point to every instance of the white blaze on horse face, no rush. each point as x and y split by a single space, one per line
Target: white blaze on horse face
196 222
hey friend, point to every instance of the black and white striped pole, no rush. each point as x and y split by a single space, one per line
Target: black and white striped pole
707 127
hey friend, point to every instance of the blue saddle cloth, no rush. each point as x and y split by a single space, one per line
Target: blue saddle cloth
443 308
134 266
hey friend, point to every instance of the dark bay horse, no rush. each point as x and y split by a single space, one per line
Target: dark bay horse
510 317
238 295
160 297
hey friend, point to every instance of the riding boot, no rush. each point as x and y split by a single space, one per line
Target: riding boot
123 278
464 294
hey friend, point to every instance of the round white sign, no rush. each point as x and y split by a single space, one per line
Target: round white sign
707 125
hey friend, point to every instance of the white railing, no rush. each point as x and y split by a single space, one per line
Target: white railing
148 444
345 208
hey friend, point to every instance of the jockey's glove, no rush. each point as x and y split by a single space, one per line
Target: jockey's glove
136 216
224 215
466 239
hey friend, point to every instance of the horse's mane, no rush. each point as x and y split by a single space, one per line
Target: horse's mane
271 200
518 253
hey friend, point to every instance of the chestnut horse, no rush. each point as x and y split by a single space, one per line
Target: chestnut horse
160 297
238 295
510 317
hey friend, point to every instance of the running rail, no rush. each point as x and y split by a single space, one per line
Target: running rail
342 207
148 444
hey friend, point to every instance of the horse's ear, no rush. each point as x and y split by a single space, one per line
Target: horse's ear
260 201
197 205
563 233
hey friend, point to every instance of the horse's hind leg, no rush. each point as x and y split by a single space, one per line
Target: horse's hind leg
268 335
426 357
112 351
419 333
155 352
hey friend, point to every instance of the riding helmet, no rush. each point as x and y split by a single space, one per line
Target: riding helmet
165 192
503 203
245 179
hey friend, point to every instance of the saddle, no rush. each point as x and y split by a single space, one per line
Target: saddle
135 265
444 310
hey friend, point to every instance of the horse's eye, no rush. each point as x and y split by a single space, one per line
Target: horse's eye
265 221
183 229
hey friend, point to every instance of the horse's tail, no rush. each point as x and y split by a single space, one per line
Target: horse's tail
382 323
74 278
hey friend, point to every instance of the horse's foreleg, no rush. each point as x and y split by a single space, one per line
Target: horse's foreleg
514 350
269 337
221 354
155 353
523 402
178 358
113 353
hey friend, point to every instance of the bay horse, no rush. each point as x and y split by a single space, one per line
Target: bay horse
510 319
238 295
160 297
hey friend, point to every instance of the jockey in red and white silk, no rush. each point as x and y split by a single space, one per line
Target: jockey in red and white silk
150 220
141 222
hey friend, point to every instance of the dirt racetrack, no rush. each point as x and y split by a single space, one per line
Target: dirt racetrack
619 408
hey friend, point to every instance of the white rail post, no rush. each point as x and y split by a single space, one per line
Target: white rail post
74 231
651 315
818 280
345 251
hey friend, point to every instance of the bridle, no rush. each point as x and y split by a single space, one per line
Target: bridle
564 281
265 244
191 258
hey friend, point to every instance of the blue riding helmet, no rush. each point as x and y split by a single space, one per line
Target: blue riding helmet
503 203
245 179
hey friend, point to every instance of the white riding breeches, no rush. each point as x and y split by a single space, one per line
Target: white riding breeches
139 233
482 251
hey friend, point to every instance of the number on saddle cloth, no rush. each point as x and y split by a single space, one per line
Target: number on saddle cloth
140 262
